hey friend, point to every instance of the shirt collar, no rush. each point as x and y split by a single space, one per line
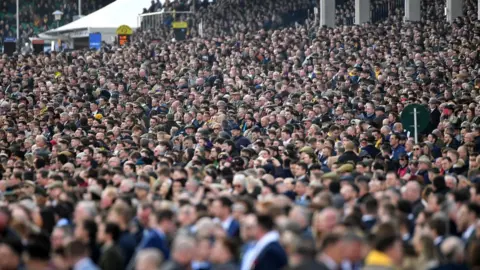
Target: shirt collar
468 232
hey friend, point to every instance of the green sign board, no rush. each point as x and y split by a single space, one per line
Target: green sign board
422 115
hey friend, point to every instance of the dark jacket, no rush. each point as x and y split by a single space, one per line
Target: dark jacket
417 207
225 266
348 156
272 257
127 244
241 142
310 264
234 229
155 239
371 150
111 258
451 266
172 265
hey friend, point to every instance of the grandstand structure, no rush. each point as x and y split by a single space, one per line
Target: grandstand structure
329 13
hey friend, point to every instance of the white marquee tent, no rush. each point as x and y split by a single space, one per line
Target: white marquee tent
105 21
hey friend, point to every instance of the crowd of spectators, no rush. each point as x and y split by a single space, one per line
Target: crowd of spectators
254 147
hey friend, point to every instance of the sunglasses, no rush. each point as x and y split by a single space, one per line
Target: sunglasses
416 149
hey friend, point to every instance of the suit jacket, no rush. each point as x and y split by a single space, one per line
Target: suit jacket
371 150
369 222
158 240
434 121
234 229
348 156
127 244
111 258
272 257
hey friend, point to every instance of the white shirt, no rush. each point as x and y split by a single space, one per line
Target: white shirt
438 240
466 235
328 261
226 223
268 238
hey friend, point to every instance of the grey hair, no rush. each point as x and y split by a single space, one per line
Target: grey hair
151 255
89 207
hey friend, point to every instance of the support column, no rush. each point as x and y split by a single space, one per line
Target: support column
454 9
362 11
327 13
412 10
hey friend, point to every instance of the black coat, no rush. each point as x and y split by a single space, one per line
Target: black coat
371 150
111 258
272 257
348 156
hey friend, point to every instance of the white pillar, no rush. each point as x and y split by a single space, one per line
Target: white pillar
478 10
412 10
454 9
362 11
327 13
18 22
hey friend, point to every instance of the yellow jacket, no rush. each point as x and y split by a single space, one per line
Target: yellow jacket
378 260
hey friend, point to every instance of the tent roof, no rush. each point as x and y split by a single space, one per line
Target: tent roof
111 16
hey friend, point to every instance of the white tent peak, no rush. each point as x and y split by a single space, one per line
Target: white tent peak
117 13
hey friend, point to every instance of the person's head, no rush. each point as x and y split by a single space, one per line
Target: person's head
120 214
412 192
75 251
435 202
467 215
187 215
109 233
11 253
453 250
86 231
38 248
224 250
148 259
265 225
248 227
59 237
388 241
183 250
438 226
84 210
394 140
163 219
222 207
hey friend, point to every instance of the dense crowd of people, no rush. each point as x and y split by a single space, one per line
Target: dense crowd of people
255 147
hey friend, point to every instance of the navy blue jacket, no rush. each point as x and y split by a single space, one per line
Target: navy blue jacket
234 229
241 142
272 257
155 239
127 243
371 150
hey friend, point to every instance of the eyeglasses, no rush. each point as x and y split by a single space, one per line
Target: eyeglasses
416 149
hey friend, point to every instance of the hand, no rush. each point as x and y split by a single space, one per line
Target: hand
276 163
